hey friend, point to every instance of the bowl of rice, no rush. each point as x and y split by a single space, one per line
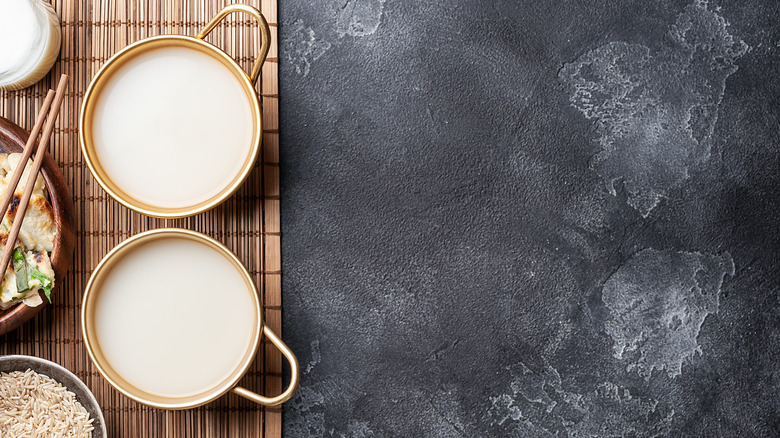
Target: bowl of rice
39 398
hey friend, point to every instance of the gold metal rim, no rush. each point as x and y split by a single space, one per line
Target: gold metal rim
87 322
86 125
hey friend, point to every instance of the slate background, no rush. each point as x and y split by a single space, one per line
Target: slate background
454 262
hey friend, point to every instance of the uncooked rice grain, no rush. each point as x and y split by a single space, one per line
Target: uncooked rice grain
35 405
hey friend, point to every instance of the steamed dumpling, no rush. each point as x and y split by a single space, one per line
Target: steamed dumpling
9 164
9 296
38 228
36 236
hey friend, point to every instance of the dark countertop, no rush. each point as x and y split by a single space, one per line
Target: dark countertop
531 218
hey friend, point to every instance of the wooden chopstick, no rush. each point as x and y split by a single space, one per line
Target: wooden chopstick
51 117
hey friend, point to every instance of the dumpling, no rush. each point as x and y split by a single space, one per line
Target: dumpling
10 164
38 229
9 295
39 274
36 240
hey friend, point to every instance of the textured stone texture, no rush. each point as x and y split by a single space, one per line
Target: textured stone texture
531 218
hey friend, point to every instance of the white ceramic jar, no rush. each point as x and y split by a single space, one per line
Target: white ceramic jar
30 38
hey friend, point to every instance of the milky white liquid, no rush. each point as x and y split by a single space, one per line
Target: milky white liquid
29 41
172 127
18 28
174 317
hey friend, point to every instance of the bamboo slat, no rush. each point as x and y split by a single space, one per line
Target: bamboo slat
248 223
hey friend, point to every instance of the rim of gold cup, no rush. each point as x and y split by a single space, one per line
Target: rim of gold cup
227 384
119 59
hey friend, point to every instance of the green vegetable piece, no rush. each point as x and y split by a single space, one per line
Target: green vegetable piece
20 268
46 285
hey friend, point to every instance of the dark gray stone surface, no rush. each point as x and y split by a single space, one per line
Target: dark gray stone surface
532 218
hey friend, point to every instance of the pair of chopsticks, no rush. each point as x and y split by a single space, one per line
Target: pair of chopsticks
48 113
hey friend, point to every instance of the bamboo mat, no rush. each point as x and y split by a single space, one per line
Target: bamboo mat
248 223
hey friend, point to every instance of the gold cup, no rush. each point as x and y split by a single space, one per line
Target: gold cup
228 383
115 64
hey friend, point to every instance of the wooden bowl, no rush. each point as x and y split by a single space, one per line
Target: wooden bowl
12 139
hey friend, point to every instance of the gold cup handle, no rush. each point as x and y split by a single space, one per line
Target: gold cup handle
266 33
294 376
